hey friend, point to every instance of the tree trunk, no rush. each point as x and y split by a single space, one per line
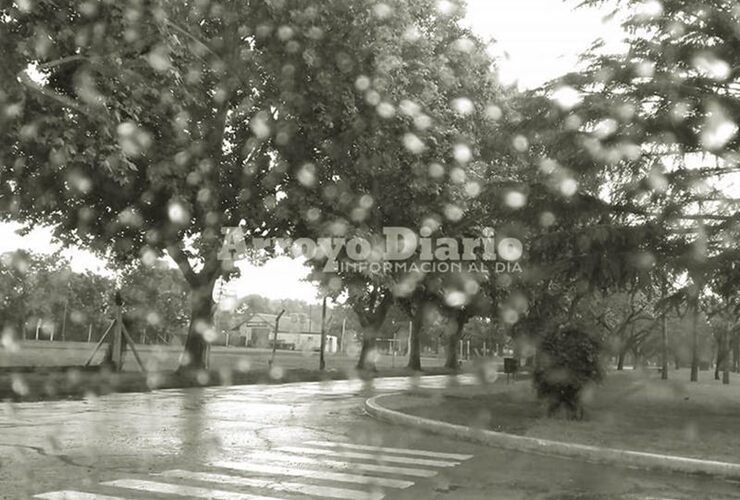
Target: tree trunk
415 342
736 354
457 326
695 344
720 355
368 342
664 347
620 359
201 319
726 358
636 358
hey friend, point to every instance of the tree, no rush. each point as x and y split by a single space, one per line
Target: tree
180 119
155 300
665 113
569 361
396 148
42 291
145 137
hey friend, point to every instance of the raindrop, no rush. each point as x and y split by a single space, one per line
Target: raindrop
510 249
494 112
568 186
457 175
515 199
606 128
712 66
285 33
422 122
307 174
717 129
260 127
520 143
453 213
366 201
436 170
386 110
455 298
548 166
159 59
362 83
445 7
463 106
412 143
567 97
463 44
409 108
372 97
178 213
547 219
650 9
472 189
462 153
412 34
133 140
382 10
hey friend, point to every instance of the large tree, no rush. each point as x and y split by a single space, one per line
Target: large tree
139 129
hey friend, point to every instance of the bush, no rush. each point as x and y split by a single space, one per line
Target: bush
568 361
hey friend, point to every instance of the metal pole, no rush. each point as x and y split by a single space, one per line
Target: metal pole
89 333
344 326
322 348
408 347
393 359
117 336
64 319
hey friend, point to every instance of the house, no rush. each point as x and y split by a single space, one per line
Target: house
295 332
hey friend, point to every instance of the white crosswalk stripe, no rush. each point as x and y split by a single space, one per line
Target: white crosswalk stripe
404 451
370 456
283 486
182 490
312 473
327 470
74 495
274 456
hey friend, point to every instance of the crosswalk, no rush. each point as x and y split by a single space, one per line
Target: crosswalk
315 469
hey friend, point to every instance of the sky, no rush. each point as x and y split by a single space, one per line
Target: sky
535 41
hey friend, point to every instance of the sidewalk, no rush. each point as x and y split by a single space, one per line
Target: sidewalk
470 414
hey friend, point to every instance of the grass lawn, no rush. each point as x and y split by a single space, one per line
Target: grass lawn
166 357
53 370
630 410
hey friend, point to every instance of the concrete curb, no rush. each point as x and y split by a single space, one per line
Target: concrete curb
594 454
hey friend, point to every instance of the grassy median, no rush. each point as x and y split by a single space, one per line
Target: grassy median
630 410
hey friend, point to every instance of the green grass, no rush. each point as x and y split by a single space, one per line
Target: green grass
165 357
35 371
630 410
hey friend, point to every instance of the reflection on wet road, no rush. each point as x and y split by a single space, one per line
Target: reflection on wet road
308 440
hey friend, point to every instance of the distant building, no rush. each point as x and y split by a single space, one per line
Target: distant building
295 332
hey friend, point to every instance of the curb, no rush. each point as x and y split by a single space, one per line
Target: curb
593 454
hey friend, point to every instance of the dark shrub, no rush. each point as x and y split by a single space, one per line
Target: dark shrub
568 360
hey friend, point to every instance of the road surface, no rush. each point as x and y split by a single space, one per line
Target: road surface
308 440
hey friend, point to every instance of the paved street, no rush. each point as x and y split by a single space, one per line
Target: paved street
309 440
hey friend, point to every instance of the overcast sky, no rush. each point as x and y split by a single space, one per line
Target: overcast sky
536 40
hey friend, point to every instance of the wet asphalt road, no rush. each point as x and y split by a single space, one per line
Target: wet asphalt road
309 440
